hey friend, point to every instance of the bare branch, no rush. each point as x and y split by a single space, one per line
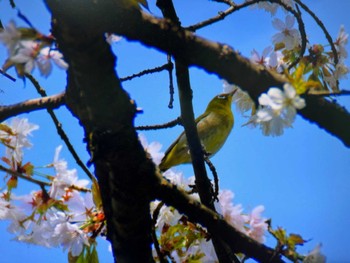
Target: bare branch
169 124
59 128
147 71
24 177
50 102
196 212
7 75
215 175
324 29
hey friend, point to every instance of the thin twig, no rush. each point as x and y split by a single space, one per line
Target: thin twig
324 29
25 19
59 128
80 189
220 16
147 71
233 8
154 235
12 3
38 182
327 93
216 177
169 124
171 82
22 176
297 15
7 75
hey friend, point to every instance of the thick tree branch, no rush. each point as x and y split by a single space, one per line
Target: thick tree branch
211 56
202 181
328 115
217 226
59 128
50 102
126 176
94 95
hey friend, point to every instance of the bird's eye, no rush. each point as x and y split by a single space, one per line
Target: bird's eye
221 96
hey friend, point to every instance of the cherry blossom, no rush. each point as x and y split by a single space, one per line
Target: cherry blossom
271 123
288 35
258 225
11 212
25 52
18 139
231 213
203 247
268 57
153 149
70 237
315 256
167 215
10 36
241 98
29 51
112 38
341 71
278 109
268 7
64 178
45 59
341 42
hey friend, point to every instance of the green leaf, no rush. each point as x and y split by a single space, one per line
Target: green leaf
294 240
94 256
88 255
96 195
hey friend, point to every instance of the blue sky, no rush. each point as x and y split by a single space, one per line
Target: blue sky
302 177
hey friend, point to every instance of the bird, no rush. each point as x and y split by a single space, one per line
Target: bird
213 126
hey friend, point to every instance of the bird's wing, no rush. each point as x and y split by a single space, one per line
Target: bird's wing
171 147
182 136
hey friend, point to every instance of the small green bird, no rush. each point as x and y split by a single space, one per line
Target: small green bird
213 127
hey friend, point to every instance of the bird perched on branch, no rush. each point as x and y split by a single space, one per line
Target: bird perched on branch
213 127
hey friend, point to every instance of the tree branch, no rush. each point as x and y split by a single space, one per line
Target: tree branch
95 96
50 102
59 128
217 226
24 177
202 181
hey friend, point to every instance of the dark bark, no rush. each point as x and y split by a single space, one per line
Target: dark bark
215 224
193 50
94 95
127 178
203 184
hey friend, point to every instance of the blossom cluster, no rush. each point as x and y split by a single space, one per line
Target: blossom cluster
15 137
319 70
28 48
61 216
324 68
277 108
272 7
188 242
67 214
252 224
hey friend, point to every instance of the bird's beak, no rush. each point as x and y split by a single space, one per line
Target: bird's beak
232 92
